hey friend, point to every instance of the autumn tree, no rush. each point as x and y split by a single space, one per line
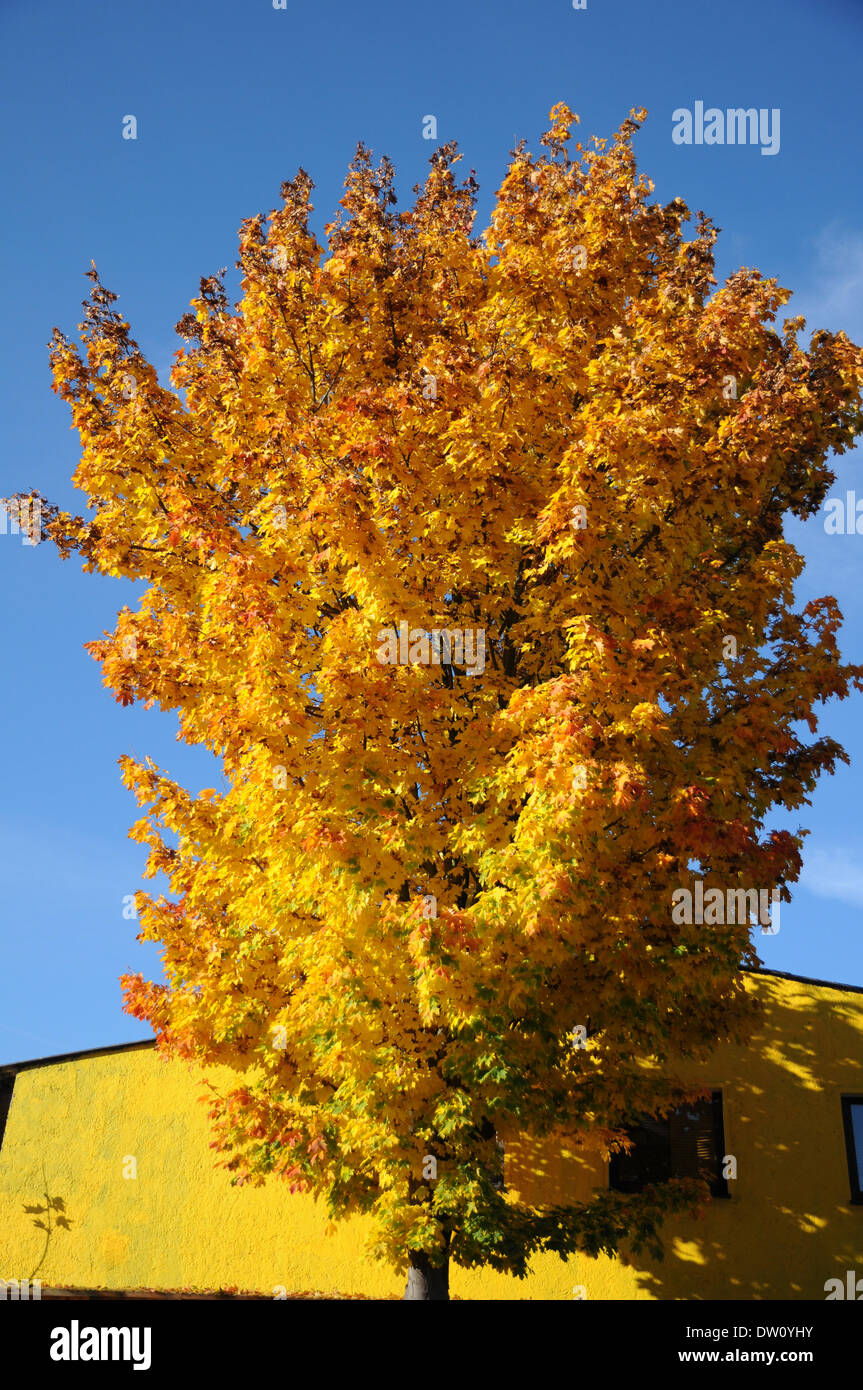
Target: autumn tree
465 556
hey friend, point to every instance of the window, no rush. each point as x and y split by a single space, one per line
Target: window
498 1181
488 1131
852 1115
7 1083
688 1143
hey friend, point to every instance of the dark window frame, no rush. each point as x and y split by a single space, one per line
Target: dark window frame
855 1160
718 1184
499 1183
7 1088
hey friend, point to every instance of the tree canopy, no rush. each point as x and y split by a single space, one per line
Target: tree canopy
444 538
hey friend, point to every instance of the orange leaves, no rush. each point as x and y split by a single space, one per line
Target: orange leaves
626 790
325 837
695 801
145 1000
454 932
421 874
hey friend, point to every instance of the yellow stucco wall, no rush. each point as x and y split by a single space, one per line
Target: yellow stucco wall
787 1228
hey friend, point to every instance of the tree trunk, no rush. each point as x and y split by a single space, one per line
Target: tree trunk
425 1280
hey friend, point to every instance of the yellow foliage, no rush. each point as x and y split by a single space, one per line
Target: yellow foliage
394 434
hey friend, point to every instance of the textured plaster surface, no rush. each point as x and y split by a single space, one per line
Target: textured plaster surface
73 1127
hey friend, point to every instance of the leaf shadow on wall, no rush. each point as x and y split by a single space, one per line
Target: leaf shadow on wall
48 1216
789 1224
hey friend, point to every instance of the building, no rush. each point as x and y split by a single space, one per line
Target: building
107 1179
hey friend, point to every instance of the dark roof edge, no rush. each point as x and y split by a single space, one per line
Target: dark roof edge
151 1042
76 1056
802 979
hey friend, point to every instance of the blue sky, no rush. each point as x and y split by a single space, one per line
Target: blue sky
230 98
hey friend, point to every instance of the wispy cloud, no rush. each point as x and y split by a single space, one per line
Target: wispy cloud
836 873
833 296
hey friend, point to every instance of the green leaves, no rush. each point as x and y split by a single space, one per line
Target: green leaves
426 871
